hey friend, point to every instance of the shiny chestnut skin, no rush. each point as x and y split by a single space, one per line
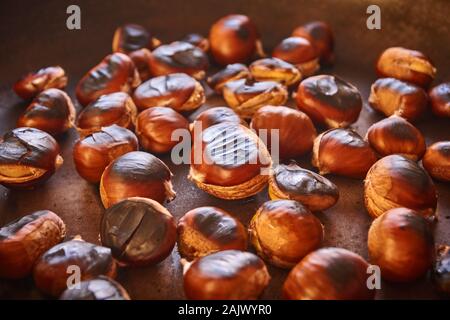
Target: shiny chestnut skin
93 153
395 181
34 83
100 288
296 130
284 231
406 65
437 160
205 230
141 59
440 100
139 231
395 135
291 182
136 174
235 71
274 69
178 91
197 40
28 157
342 152
394 97
24 240
213 116
226 275
329 100
329 274
401 244
131 37
154 128
441 270
116 72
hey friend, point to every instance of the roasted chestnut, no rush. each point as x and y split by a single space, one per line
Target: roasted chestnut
114 73
206 230
329 101
141 59
34 83
215 115
329 274
437 160
407 65
274 69
178 91
231 72
284 231
136 174
401 244
342 152
197 40
28 156
394 97
291 182
395 135
440 100
226 275
24 240
132 37
52 270
395 181
154 128
296 132
246 97
100 288
93 153
441 269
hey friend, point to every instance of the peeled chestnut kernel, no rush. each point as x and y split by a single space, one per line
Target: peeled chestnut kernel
440 100
234 38
197 40
395 181
284 231
296 132
401 244
329 101
441 269
215 115
437 160
154 128
329 274
114 73
24 240
395 135
274 69
228 161
93 153
407 65
28 156
394 97
291 182
246 97
141 59
342 152
231 72
177 90
226 275
53 268
136 174
132 37
100 288
34 83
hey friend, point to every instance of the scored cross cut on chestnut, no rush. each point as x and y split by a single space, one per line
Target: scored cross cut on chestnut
34 83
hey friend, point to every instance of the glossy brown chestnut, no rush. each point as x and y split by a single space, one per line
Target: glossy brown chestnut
342 152
291 182
33 83
284 231
100 288
401 244
437 160
329 101
136 174
93 153
407 65
213 116
141 59
226 275
197 40
154 128
441 269
231 72
114 73
178 91
206 230
274 69
296 132
395 181
329 274
139 231
440 100
132 37
24 240
28 156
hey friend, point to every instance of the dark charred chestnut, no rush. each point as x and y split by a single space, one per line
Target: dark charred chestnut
437 160
132 37
197 40
34 83
274 69
231 72
101 288
441 269
141 59
215 115
440 100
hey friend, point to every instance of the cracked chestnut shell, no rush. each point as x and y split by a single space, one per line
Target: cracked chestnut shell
28 157
213 116
226 275
100 288
329 274
139 231
401 244
141 59
441 269
274 69
440 100
34 83
284 231
131 37
395 181
437 160
24 240
197 40
235 71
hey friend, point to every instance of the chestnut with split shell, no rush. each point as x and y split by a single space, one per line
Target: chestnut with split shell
100 288
131 37
235 71
34 83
